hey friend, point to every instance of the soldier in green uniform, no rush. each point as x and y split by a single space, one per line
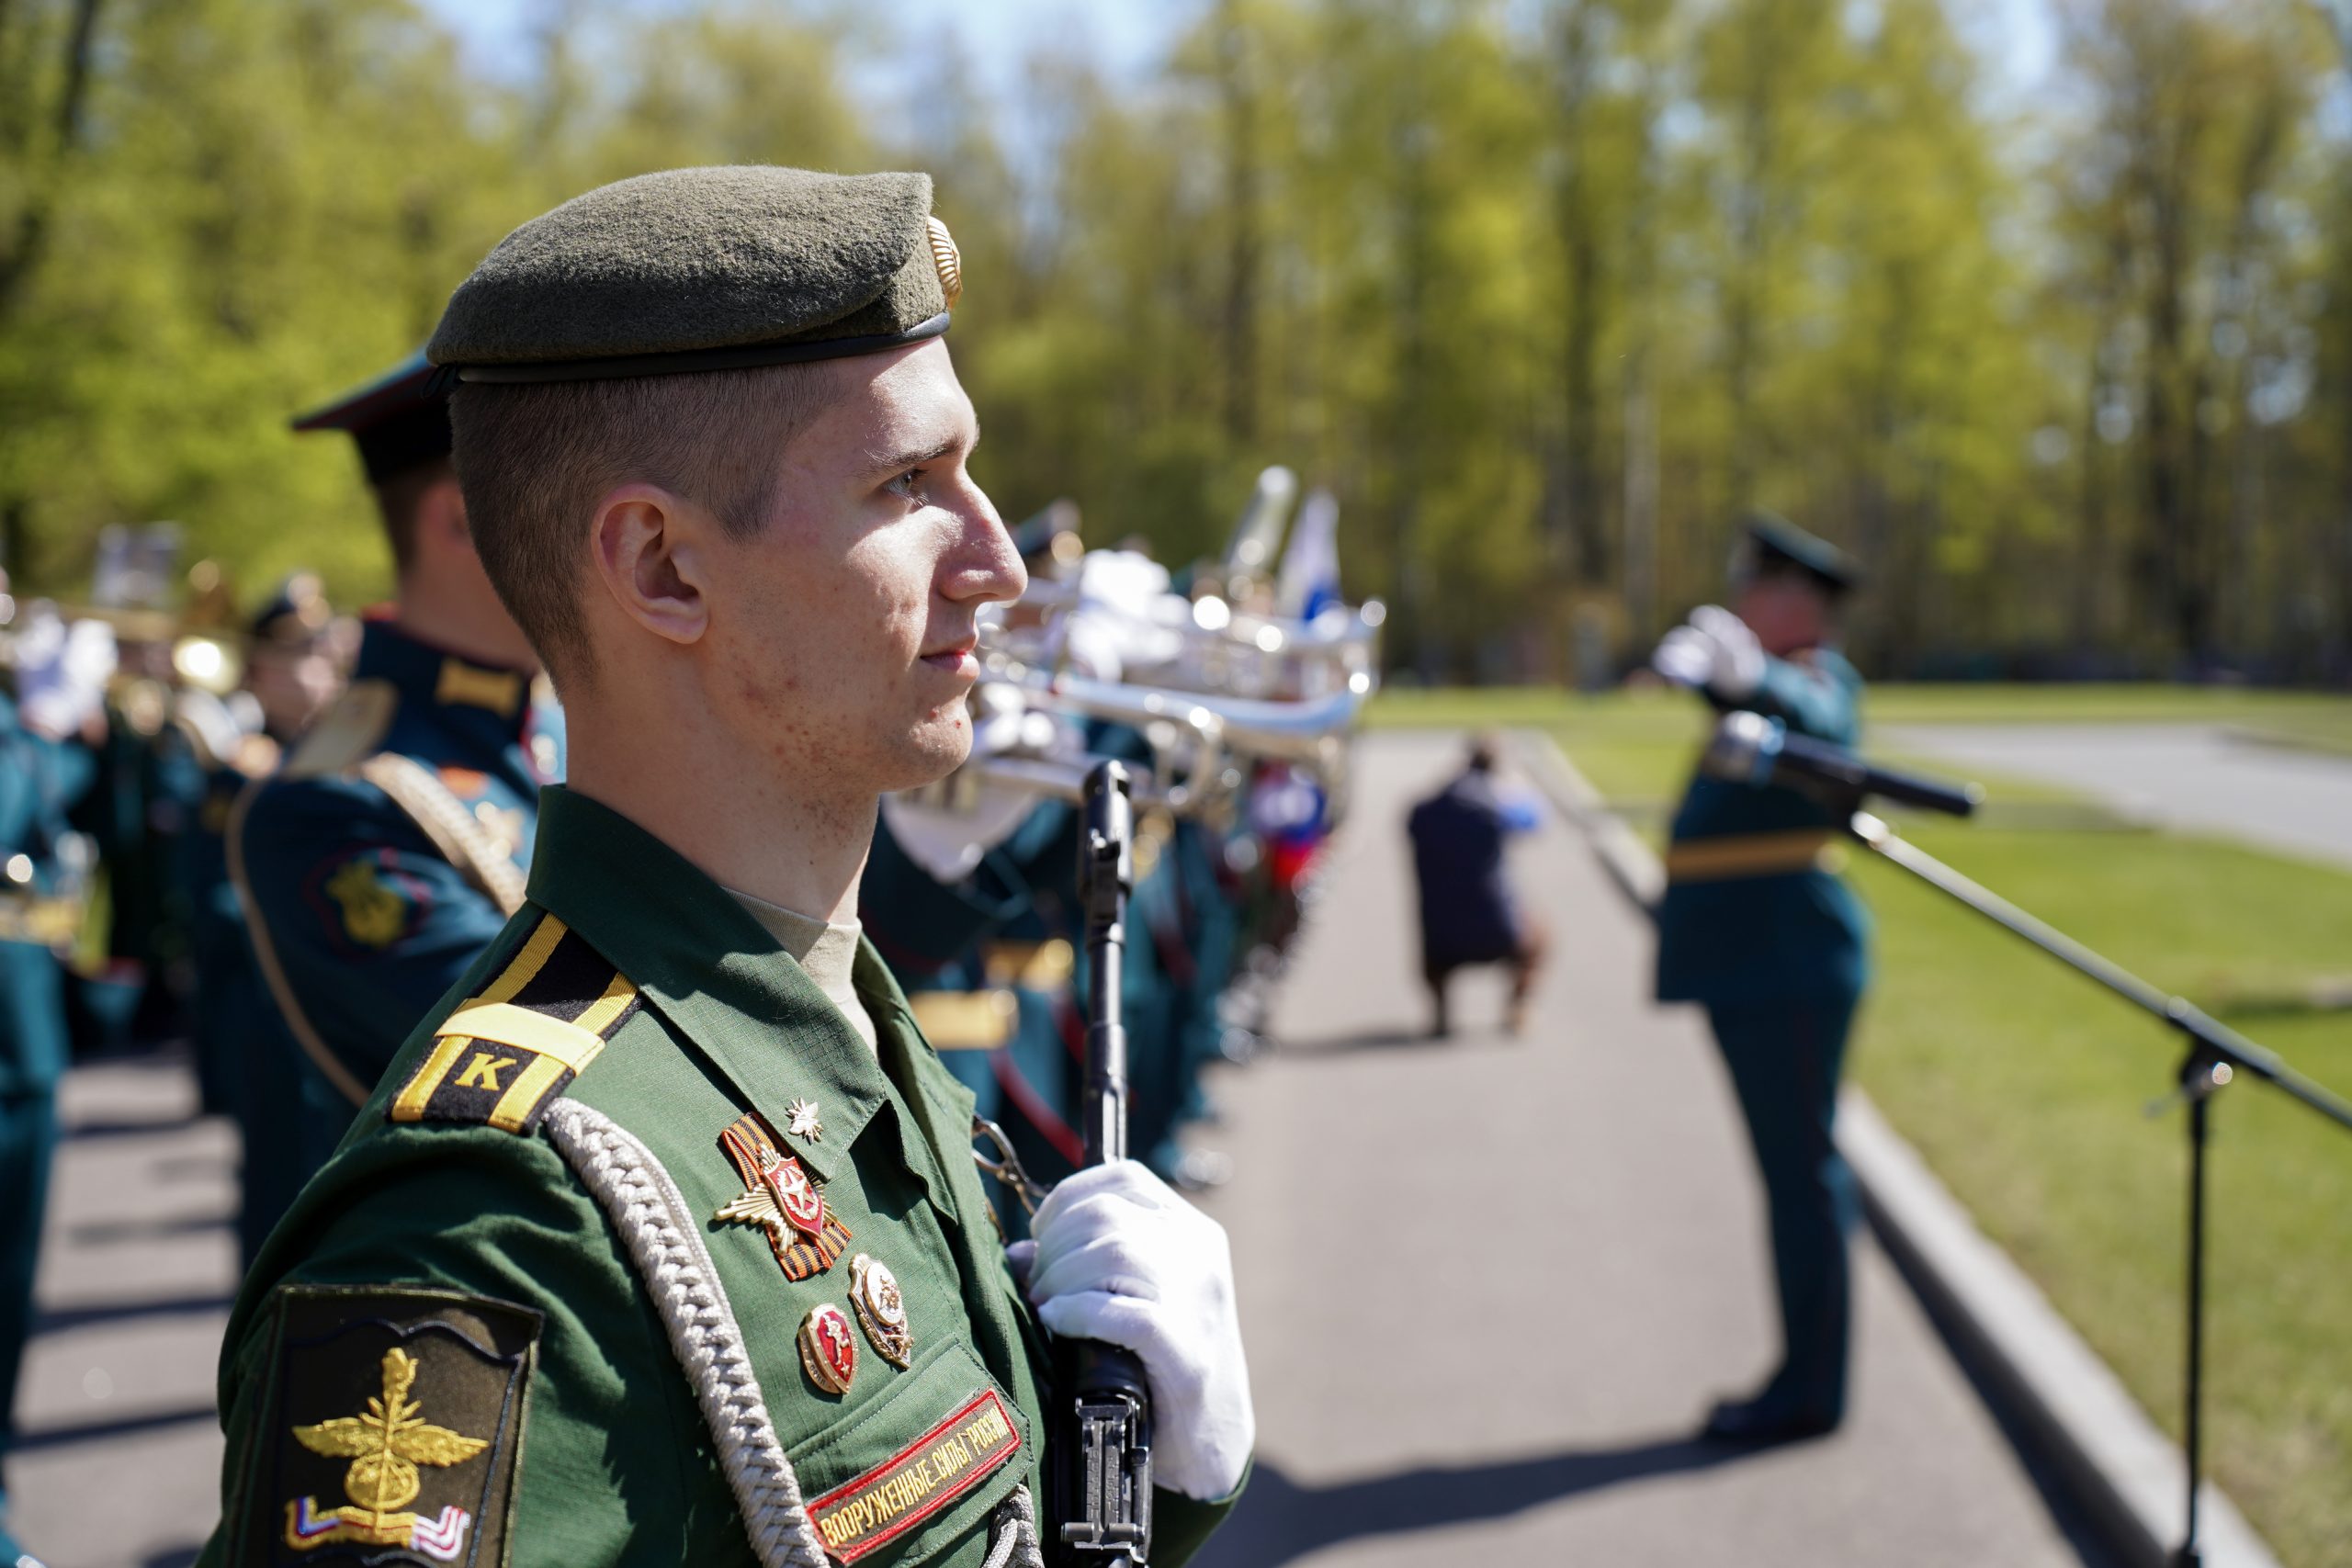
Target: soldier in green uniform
381 859
44 769
1756 925
662 1242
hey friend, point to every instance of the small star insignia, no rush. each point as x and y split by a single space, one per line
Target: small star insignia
803 1123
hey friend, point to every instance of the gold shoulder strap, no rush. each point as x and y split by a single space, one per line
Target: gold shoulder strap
354 725
443 818
453 830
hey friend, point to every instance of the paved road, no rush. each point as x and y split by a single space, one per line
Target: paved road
2195 776
1489 1287
119 1461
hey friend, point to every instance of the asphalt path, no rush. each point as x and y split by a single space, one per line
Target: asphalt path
118 1462
1490 1286
2203 777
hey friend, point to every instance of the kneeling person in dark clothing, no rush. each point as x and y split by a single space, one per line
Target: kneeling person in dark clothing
1468 916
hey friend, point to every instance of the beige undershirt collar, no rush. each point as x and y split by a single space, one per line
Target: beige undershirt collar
828 953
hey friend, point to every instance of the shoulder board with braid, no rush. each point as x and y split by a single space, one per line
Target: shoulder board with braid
501 1057
351 729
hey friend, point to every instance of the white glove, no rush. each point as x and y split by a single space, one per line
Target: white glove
61 672
1716 651
1120 1258
1685 656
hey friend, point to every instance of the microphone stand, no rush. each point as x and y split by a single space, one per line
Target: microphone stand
2214 1056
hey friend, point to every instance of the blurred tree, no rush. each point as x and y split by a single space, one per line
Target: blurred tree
1545 290
2195 113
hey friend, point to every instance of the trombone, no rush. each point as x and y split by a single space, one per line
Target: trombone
1203 740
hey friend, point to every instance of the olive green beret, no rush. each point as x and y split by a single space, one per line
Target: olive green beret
705 269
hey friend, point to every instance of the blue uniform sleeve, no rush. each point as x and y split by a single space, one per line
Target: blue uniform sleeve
1819 696
924 926
368 926
67 770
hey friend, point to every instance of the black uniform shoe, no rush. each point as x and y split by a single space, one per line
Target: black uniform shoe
1757 1423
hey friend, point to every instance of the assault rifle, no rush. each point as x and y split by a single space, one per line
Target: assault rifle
1106 1474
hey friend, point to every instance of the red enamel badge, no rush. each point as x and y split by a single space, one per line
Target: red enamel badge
800 1201
771 1174
828 1348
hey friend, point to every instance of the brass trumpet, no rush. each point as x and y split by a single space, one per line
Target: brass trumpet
1200 741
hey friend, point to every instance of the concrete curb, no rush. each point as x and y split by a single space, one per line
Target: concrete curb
2124 1473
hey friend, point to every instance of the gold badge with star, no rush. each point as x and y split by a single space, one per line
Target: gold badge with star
779 1198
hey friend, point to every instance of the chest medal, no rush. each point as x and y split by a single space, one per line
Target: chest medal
881 1310
828 1348
779 1198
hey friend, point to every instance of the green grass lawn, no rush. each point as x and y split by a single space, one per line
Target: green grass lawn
2025 1086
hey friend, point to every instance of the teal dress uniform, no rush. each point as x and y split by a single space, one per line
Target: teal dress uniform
1756 926
385 855
987 968
1183 913
133 811
222 987
39 781
248 1063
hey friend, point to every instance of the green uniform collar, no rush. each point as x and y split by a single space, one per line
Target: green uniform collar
704 963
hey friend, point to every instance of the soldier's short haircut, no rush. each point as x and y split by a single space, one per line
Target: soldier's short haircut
535 458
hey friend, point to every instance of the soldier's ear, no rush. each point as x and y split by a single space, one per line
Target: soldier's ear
646 556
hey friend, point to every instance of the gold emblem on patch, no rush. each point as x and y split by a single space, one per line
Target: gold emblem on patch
881 1310
372 913
385 1447
948 259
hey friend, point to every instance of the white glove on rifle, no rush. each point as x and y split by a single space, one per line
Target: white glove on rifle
1716 651
1121 1258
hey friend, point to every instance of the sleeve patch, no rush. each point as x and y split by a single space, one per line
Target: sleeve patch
505 1055
393 1428
375 911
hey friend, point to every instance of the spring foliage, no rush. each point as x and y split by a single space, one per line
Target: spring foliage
1545 291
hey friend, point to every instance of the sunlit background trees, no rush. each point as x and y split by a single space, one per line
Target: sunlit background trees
1545 290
